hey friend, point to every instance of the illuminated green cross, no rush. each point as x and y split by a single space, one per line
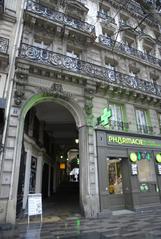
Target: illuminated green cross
104 119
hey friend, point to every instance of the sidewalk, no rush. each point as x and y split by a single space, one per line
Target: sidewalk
138 225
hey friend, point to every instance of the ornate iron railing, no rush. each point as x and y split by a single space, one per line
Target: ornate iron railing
59 17
57 60
106 17
134 8
4 44
107 41
144 129
118 125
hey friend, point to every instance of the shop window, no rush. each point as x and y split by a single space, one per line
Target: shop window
114 176
116 121
146 171
141 121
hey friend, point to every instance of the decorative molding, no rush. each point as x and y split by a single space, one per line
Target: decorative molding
56 90
19 96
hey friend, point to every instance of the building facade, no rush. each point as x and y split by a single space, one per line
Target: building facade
87 70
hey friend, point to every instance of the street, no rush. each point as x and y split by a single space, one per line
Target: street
122 224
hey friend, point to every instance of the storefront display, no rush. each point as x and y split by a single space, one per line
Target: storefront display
132 178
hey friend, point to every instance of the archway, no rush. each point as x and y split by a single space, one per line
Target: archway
61 122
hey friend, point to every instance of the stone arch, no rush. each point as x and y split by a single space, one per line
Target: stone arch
68 103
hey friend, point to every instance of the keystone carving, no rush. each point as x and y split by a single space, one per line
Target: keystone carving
56 90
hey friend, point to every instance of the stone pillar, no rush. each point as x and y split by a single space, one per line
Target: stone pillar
55 177
88 171
49 180
130 112
27 176
139 43
39 174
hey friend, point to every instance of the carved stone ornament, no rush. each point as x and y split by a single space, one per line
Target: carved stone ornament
56 90
18 97
88 110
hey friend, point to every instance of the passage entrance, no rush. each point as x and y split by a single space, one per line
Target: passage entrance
51 146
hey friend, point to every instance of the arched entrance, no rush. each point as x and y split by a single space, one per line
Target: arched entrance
50 132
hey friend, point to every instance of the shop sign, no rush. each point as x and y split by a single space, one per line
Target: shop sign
144 187
104 118
158 157
132 141
159 169
62 166
134 169
34 205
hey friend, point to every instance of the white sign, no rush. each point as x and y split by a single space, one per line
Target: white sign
134 169
159 169
34 204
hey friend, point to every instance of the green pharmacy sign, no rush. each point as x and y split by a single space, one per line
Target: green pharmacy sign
104 118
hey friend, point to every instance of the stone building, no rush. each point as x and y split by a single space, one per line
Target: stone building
84 71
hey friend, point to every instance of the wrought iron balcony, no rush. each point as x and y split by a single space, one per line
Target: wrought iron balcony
56 60
4 44
58 17
118 125
106 17
144 129
107 41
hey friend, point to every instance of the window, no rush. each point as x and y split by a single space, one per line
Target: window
123 20
104 11
73 53
74 64
110 66
141 121
146 171
116 121
41 44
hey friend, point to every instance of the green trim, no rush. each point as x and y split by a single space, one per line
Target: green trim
34 100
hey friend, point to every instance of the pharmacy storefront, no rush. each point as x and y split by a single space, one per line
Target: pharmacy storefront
129 170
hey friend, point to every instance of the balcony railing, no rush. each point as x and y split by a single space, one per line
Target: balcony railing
106 17
118 125
53 59
59 17
144 129
4 44
107 41
134 8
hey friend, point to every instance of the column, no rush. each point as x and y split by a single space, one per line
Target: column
39 174
27 176
131 119
49 180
